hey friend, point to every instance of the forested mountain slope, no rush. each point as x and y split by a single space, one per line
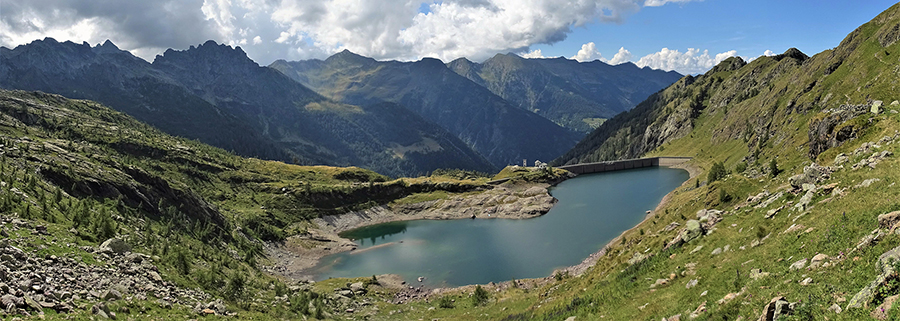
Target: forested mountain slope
216 94
501 132
576 95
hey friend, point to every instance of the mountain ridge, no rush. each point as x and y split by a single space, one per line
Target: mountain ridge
571 93
217 94
501 132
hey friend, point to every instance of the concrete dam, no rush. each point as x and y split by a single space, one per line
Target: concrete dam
624 164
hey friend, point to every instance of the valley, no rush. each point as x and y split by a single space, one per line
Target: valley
205 185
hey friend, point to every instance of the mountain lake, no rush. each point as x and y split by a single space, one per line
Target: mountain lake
592 210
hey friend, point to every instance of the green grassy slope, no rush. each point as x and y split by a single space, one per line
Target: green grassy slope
89 173
790 110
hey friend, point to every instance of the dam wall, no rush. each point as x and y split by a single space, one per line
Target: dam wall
624 164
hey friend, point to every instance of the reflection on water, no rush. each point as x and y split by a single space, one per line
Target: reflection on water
374 232
592 209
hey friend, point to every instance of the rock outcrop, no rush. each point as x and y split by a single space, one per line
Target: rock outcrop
887 263
32 283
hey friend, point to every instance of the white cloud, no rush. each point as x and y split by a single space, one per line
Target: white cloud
257 40
588 52
532 54
767 53
621 57
657 3
690 62
301 29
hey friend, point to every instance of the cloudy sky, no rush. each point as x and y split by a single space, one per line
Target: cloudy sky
688 36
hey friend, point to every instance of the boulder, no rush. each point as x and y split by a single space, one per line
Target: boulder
101 310
676 317
700 309
868 182
798 265
882 311
812 174
840 159
835 308
671 226
33 304
691 284
804 201
115 245
771 213
757 274
636 257
889 220
757 198
817 260
876 107
217 306
692 231
112 294
777 307
357 287
886 263
697 249
11 300
717 251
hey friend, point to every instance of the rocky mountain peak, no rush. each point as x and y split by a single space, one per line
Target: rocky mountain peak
793 53
730 64
50 56
432 63
107 47
209 54
347 57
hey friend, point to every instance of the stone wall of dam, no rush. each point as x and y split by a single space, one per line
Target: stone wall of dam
624 164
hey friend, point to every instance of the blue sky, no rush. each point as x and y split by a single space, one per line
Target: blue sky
750 27
696 34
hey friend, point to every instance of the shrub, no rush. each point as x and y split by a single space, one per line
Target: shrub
372 281
761 232
773 168
723 196
740 167
716 172
237 283
480 296
445 302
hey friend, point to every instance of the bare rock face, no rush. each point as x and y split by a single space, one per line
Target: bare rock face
831 131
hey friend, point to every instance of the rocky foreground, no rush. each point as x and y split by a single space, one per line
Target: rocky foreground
84 278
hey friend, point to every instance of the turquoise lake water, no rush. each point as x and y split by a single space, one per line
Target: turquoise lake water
592 210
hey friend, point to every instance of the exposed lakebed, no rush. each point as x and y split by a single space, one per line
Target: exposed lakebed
592 210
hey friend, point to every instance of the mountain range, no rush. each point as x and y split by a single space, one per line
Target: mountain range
216 94
397 118
575 95
495 128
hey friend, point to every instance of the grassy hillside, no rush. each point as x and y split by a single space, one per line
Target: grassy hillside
796 199
74 174
758 131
